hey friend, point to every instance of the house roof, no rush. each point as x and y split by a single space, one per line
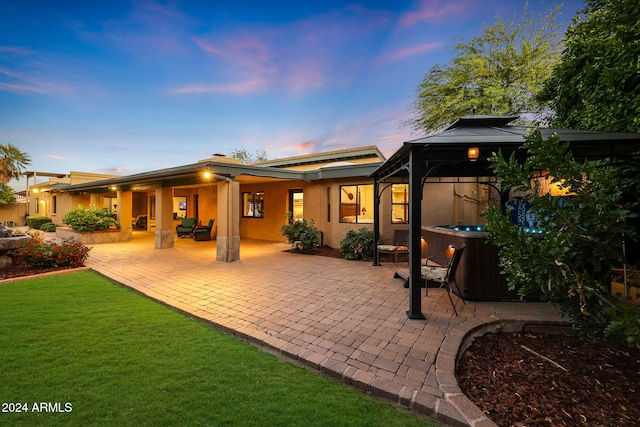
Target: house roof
359 153
193 174
448 149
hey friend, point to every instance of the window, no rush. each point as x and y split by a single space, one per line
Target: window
328 204
253 204
356 203
54 204
152 207
37 205
400 203
296 204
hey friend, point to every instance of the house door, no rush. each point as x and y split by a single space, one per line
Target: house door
296 204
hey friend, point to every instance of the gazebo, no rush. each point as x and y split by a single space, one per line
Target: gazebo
461 151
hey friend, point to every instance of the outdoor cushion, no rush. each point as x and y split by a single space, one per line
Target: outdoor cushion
437 274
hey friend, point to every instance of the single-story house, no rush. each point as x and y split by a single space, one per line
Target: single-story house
334 189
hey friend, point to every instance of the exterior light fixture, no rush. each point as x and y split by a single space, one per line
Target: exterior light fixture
113 188
473 153
207 175
35 190
450 250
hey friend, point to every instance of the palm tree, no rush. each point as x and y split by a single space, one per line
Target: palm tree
12 160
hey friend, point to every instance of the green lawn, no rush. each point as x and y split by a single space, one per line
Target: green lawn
96 353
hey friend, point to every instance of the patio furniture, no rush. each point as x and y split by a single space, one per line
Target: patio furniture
400 245
203 232
186 227
445 275
140 223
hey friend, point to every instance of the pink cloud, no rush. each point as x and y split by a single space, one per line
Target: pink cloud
25 83
18 50
304 147
294 58
433 10
408 51
234 88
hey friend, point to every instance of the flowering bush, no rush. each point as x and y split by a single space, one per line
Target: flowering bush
40 253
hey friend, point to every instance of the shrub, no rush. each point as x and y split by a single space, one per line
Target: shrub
357 244
624 325
36 222
569 262
39 253
92 219
301 235
48 227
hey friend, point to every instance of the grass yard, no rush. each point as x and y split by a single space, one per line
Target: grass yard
79 350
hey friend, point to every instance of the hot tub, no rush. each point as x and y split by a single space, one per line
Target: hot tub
478 274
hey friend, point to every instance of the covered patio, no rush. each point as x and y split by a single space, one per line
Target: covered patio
462 151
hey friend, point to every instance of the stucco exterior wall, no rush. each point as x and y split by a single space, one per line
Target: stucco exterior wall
13 213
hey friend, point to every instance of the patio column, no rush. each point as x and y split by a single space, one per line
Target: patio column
94 200
124 209
376 221
415 233
164 218
228 231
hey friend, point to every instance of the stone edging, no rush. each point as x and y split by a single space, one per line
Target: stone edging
48 273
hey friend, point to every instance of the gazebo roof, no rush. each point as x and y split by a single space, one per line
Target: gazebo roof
491 134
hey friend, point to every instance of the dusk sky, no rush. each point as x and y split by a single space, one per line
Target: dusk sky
133 86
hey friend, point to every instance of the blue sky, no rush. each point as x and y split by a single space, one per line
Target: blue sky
131 86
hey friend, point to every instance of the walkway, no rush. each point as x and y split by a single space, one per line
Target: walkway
344 318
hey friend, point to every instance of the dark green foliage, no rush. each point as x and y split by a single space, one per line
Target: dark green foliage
624 325
570 262
12 161
36 222
7 194
596 85
92 219
357 244
301 235
48 227
498 72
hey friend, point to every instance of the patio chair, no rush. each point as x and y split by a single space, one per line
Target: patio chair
399 245
445 275
186 227
140 223
203 232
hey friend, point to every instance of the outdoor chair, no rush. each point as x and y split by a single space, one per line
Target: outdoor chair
186 227
445 275
399 245
203 232
140 223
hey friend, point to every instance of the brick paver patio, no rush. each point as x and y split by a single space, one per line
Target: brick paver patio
344 318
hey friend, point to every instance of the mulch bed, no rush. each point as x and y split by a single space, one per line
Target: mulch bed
592 384
21 270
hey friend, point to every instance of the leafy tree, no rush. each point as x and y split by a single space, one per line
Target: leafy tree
247 157
12 160
7 194
570 262
498 72
596 84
